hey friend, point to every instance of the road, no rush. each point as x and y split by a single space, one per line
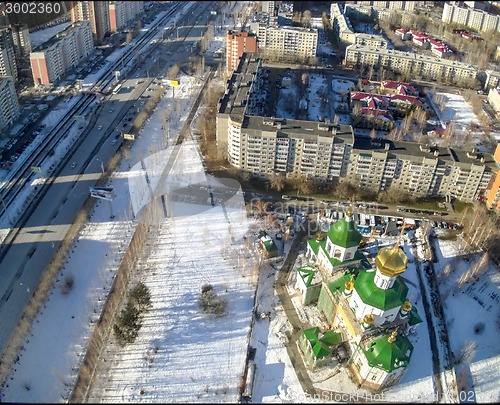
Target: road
47 224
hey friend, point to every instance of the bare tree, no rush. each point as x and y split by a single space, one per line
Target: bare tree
306 18
467 353
278 181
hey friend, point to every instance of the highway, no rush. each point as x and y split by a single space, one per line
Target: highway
47 221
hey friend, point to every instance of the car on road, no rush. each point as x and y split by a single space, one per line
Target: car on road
113 141
73 165
99 127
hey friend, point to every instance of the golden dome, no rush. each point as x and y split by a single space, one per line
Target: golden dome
349 284
369 319
391 261
349 211
392 337
406 306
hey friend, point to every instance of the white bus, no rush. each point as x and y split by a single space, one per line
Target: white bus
117 88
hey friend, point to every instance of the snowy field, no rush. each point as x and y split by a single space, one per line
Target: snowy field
316 102
473 315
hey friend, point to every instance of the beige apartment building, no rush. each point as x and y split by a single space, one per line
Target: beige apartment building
97 12
417 65
408 6
478 20
51 60
288 41
8 64
341 24
123 13
420 170
371 40
21 40
9 104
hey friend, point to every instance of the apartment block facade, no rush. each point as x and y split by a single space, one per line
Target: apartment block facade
285 41
341 24
417 65
51 60
478 20
97 12
327 152
21 40
408 6
9 104
122 13
8 65
238 42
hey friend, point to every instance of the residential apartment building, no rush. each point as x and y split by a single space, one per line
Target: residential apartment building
268 7
238 42
493 194
408 6
266 145
123 13
371 40
429 67
8 65
21 40
478 20
97 12
341 24
51 60
492 79
418 169
288 41
9 104
494 99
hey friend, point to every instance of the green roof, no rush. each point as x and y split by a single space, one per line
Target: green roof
321 345
339 283
376 297
267 241
315 245
344 233
414 317
321 349
389 356
331 338
307 275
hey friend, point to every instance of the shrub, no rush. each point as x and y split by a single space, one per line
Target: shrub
210 302
128 323
141 296
67 285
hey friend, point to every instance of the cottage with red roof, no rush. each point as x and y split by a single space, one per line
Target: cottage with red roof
394 87
368 100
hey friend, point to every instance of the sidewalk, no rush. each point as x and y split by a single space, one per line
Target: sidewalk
291 314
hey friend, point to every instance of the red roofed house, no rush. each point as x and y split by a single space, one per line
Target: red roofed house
393 87
405 101
368 100
419 38
404 33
